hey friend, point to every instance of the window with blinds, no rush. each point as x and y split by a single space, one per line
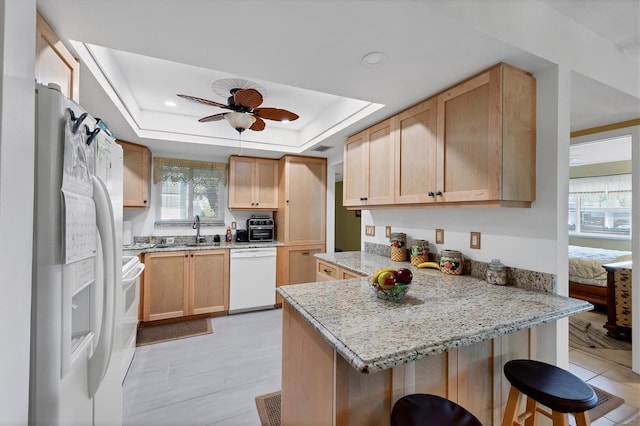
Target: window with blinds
190 188
600 206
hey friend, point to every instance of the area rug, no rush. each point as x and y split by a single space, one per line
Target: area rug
151 334
606 403
586 333
269 409
269 406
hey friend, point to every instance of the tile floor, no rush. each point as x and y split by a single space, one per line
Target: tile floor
207 380
213 379
613 378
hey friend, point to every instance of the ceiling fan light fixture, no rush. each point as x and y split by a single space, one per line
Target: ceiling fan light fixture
240 120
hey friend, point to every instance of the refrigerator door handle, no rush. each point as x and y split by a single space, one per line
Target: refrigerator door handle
99 361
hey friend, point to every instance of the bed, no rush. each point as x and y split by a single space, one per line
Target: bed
587 276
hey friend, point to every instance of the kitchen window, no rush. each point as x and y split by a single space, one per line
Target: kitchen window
600 206
189 188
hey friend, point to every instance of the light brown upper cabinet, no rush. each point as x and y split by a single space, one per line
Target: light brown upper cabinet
415 153
487 139
301 215
54 62
253 183
369 162
471 145
136 174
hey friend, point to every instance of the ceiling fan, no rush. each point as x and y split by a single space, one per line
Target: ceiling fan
246 112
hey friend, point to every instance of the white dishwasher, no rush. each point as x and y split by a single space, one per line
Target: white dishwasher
252 279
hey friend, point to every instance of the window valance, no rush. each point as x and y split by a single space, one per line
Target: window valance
176 170
600 184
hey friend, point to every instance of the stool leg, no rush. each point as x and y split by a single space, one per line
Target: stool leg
582 419
560 419
532 409
511 410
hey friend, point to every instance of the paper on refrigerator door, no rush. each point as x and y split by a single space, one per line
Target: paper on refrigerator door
80 232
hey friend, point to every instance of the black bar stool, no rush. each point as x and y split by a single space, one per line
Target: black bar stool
550 386
421 409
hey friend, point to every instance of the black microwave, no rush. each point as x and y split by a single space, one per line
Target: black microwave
260 229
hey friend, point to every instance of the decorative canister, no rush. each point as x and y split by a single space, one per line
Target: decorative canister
451 262
398 246
419 252
496 272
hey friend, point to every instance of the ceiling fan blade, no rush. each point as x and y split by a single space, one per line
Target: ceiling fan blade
276 114
257 125
205 101
249 98
214 117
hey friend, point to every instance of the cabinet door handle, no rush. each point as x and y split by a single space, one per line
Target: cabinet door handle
439 193
145 201
306 253
257 204
327 271
186 255
431 194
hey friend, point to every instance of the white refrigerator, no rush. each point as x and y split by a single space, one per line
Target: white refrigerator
75 374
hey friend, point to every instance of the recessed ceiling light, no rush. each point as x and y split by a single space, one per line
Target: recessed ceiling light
170 103
373 58
284 121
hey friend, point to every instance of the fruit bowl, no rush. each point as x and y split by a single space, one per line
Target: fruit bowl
390 283
395 293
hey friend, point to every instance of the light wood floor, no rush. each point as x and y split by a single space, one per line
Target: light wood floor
213 379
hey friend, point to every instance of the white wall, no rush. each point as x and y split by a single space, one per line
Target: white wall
17 139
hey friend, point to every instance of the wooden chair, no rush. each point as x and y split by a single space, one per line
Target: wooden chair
550 386
421 409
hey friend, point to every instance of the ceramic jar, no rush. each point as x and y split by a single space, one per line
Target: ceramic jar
398 242
419 252
451 262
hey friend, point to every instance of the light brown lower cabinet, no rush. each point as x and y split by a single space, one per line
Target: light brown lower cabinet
296 265
183 283
327 271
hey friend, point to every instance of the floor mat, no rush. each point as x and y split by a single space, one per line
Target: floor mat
606 403
151 334
269 409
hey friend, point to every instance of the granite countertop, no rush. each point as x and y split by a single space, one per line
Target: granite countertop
441 312
136 249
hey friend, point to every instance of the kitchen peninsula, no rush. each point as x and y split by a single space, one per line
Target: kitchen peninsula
348 356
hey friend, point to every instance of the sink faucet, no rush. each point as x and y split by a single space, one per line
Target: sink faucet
196 226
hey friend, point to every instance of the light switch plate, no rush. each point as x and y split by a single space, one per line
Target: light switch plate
439 236
233 225
474 240
387 231
370 230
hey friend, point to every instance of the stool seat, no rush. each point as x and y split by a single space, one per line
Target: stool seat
551 386
430 410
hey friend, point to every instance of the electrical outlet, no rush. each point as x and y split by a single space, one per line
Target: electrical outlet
439 236
370 230
387 231
170 240
474 240
233 225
